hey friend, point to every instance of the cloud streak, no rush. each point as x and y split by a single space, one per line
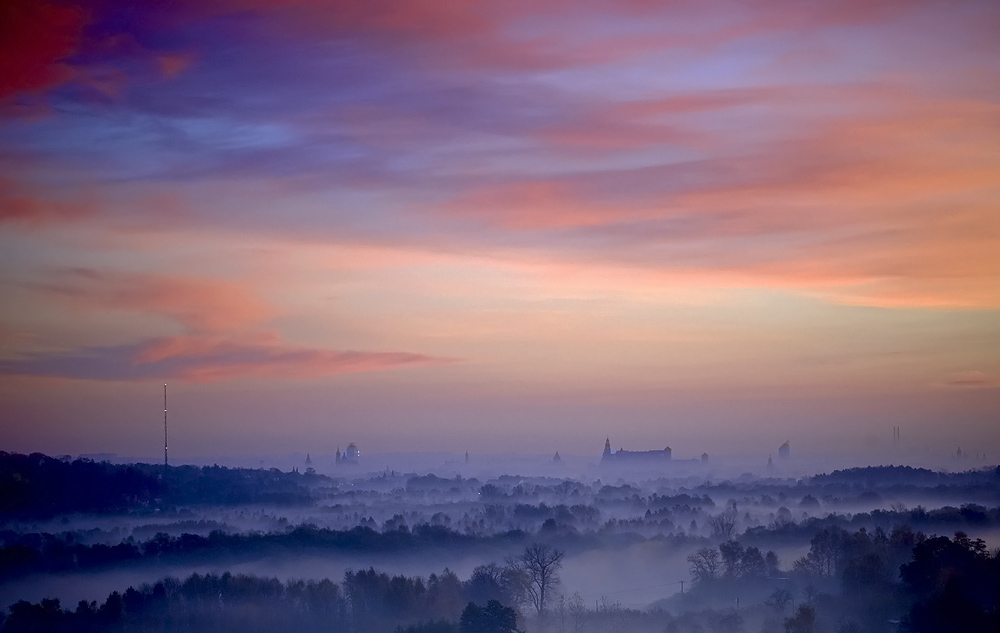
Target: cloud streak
224 336
204 360
197 303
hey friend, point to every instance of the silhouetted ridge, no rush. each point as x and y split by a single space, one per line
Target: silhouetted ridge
38 486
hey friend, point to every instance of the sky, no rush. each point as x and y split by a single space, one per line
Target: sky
499 226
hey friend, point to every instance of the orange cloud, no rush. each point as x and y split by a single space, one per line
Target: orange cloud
892 207
200 304
174 64
224 338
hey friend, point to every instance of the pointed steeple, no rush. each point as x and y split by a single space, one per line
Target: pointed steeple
607 447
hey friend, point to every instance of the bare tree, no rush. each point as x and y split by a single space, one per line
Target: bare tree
705 564
577 612
540 566
724 525
779 600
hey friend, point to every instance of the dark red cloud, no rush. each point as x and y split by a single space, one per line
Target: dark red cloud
35 40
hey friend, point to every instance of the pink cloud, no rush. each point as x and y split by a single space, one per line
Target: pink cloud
971 380
35 212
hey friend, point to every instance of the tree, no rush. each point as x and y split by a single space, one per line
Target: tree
724 525
539 566
955 583
752 564
772 566
825 551
705 564
493 618
577 612
732 553
804 620
488 582
779 600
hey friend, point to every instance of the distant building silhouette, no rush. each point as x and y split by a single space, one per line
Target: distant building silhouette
352 456
770 463
784 451
308 460
556 459
704 458
621 456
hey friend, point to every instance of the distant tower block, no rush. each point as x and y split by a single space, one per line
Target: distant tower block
466 457
704 458
770 463
308 460
338 460
784 451
556 459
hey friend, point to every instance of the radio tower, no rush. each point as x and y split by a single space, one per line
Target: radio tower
164 425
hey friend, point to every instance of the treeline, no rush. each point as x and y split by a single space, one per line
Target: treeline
967 516
200 603
849 582
862 581
29 553
37 486
871 476
366 602
40 486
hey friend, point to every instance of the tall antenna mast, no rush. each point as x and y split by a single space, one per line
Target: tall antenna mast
164 425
